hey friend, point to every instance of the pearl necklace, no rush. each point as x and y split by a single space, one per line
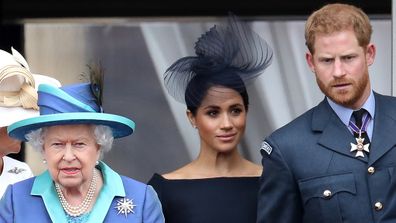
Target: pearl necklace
80 209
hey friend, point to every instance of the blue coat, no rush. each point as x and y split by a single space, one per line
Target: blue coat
311 176
35 200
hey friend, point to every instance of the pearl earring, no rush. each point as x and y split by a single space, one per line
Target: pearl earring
97 162
45 161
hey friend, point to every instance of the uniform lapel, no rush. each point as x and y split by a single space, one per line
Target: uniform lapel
383 138
334 134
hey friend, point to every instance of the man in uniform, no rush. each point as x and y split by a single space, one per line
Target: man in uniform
333 163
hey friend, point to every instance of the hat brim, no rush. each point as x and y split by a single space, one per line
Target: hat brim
120 126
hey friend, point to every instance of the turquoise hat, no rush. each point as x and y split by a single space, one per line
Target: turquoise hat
72 104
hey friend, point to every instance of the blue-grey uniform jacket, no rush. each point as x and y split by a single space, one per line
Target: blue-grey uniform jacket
311 176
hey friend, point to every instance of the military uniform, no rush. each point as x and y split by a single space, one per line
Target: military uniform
311 176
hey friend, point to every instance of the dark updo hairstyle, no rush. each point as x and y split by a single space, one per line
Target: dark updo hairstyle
228 55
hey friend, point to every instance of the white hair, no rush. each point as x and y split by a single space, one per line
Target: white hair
103 136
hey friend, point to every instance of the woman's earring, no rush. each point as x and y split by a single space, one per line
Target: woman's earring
97 162
44 161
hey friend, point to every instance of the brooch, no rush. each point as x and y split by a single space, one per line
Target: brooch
125 206
16 170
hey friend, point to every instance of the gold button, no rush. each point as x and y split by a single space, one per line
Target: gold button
371 170
327 193
378 206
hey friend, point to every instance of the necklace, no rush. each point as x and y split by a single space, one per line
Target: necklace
80 209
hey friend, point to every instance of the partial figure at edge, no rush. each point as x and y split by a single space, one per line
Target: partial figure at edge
18 100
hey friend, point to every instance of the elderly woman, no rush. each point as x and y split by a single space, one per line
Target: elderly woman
18 100
72 133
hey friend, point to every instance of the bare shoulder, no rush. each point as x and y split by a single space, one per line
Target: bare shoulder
181 173
253 169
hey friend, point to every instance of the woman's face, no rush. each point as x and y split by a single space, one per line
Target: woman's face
220 119
71 152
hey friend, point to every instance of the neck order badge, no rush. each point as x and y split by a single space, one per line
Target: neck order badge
359 128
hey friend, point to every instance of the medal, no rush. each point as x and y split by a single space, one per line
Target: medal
359 147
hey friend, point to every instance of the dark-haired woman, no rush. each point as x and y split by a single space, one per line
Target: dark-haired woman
219 185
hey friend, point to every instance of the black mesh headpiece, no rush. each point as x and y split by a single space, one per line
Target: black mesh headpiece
227 55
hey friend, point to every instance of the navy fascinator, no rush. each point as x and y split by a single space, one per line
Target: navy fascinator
230 55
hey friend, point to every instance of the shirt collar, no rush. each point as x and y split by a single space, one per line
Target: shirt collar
345 113
43 186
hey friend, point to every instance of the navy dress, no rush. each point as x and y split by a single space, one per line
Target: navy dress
222 199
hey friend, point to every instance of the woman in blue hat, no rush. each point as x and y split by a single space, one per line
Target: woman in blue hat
219 185
72 133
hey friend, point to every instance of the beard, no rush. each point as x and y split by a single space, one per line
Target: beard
346 98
